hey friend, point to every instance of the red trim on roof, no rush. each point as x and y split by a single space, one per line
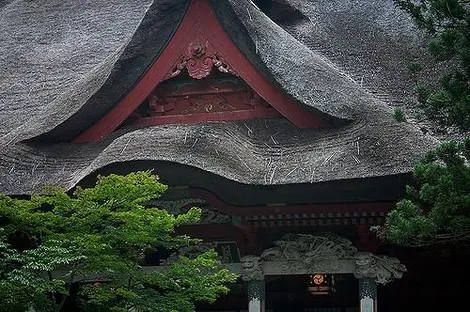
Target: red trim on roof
200 21
359 207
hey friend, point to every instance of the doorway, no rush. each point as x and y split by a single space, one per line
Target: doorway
291 293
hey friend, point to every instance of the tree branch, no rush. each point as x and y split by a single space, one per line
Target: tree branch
65 296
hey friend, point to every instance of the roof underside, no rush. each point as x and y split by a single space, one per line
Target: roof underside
71 63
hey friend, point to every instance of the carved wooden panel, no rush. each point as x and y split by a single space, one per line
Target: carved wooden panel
210 101
325 253
204 103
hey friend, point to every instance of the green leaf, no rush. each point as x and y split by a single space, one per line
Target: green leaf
100 236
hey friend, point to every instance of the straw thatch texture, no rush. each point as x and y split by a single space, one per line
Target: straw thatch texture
74 60
60 58
252 152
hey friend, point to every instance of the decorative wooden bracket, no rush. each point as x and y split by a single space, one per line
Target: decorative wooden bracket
199 59
200 44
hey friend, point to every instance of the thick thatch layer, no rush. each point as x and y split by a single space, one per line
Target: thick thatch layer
66 62
73 61
253 152
373 41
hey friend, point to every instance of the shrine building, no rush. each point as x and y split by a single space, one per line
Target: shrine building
274 117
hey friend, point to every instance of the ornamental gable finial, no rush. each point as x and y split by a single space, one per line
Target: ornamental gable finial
199 58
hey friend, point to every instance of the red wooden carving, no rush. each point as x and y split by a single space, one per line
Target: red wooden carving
199 59
206 101
199 44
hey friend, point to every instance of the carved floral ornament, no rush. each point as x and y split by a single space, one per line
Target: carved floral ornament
303 253
199 59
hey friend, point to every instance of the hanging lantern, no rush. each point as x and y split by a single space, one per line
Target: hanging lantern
321 284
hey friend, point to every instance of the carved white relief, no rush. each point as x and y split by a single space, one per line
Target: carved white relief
252 268
382 268
327 253
306 254
309 248
365 265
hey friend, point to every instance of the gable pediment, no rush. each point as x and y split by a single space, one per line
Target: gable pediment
200 50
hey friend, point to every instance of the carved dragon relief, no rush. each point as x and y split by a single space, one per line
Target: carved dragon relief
310 248
301 253
297 253
212 216
199 58
382 268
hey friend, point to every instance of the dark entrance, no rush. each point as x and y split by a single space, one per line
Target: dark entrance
291 293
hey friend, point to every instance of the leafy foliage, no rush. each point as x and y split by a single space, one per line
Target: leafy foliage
448 21
438 208
98 239
399 115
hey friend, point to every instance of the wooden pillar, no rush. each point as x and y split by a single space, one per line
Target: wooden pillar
367 295
252 273
256 295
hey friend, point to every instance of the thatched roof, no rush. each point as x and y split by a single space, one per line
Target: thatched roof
72 61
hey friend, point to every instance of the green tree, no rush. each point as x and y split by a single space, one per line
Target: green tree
448 23
437 207
97 239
